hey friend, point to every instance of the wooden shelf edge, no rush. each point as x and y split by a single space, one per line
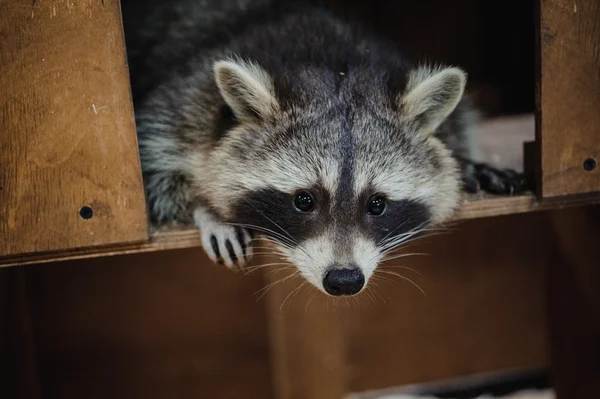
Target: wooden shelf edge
477 206
473 207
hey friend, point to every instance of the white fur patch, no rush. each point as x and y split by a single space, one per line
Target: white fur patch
210 227
247 89
432 94
316 255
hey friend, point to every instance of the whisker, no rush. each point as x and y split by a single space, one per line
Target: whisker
271 248
282 269
269 219
385 279
279 243
388 258
277 254
309 301
403 267
298 245
409 234
255 268
264 230
297 289
397 227
368 293
404 278
406 241
415 229
271 285
379 295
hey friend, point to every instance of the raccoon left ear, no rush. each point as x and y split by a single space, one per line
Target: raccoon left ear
431 95
247 89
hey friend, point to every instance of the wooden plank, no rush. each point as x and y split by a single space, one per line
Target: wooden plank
306 339
483 309
153 326
574 303
178 237
67 130
568 97
483 205
18 358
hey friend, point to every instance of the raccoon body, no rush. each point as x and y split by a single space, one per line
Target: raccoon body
277 117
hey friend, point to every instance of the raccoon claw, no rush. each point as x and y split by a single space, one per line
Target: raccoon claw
493 180
224 244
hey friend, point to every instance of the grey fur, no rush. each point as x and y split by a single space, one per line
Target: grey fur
239 97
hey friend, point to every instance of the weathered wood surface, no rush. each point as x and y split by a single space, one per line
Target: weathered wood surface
568 120
67 134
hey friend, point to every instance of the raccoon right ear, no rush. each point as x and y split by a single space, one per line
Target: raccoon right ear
431 95
247 89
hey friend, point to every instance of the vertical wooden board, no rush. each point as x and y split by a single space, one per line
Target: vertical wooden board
306 340
574 303
18 364
568 96
67 131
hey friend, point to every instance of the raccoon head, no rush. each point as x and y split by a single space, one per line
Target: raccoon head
337 171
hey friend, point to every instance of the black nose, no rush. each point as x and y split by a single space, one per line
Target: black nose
343 281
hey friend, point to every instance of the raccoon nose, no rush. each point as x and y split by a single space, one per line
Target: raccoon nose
343 281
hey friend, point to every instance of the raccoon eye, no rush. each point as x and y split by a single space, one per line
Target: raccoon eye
304 202
377 206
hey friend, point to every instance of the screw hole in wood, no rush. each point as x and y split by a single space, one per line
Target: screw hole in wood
589 164
86 212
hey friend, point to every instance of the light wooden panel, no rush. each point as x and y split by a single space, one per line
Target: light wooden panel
67 134
568 96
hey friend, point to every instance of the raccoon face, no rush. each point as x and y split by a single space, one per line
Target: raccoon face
339 176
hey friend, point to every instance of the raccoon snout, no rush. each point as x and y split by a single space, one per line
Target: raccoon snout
345 281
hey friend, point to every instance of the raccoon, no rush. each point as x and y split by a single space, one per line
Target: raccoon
280 118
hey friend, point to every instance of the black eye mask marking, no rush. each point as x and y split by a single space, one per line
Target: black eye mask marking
400 217
274 214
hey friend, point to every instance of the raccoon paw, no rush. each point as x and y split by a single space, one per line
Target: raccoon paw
224 244
482 176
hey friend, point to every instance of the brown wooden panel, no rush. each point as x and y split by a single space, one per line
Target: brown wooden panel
18 361
574 304
484 311
67 130
307 341
153 326
569 96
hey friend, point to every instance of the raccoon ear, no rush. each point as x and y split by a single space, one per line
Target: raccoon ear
247 89
431 95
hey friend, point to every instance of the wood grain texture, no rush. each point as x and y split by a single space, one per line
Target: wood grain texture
306 340
179 237
568 96
67 131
